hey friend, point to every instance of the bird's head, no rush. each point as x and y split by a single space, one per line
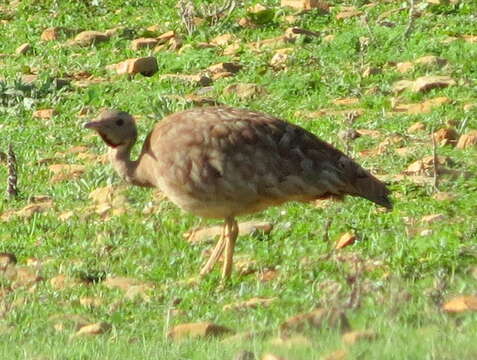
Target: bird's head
360 182
116 128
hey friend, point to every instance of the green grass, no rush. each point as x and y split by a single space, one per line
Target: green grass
401 297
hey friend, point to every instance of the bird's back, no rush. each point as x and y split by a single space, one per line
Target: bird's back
222 161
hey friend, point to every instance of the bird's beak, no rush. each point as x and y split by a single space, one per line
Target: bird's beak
92 125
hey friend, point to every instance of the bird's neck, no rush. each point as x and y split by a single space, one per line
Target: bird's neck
132 171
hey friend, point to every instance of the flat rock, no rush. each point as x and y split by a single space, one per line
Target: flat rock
144 43
461 304
319 318
467 140
353 337
146 66
89 37
93 329
197 330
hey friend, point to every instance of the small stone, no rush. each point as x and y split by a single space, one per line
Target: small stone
371 70
51 34
223 40
443 196
446 136
244 90
225 67
468 140
339 354
249 304
44 114
61 282
146 66
23 49
93 329
348 12
166 37
416 127
144 43
7 259
305 4
197 330
429 219
353 337
318 318
291 341
270 356
461 304
244 355
89 301
89 37
345 240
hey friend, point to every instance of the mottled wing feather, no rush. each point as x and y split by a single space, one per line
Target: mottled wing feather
239 161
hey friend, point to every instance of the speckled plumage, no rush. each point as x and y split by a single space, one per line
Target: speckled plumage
222 162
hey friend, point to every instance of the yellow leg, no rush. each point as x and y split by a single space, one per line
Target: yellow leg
230 238
216 253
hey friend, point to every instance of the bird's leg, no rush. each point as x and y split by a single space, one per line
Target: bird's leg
216 253
230 238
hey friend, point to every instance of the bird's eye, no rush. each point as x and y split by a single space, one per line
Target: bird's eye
120 122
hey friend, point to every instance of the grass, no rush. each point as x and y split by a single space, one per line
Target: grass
413 273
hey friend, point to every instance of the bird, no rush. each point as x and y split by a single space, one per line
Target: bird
221 162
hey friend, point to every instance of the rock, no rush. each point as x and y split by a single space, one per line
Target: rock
405 66
89 301
292 341
371 70
45 114
416 127
348 12
446 136
249 304
423 107
124 283
197 330
245 90
23 49
339 354
61 282
225 67
467 140
198 79
89 37
166 37
146 66
443 196
431 60
223 40
279 60
305 4
270 356
426 83
51 34
244 355
93 329
353 337
429 219
318 318
345 240
22 276
461 304
144 43
7 259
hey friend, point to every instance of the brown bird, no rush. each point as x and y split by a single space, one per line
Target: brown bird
222 162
